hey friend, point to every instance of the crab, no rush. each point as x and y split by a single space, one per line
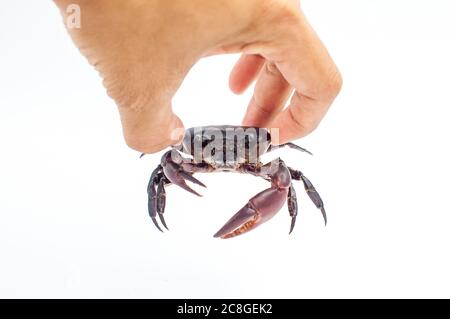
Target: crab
234 149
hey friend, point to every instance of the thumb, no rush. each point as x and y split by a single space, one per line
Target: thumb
151 129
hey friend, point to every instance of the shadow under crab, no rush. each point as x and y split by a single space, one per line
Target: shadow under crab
235 149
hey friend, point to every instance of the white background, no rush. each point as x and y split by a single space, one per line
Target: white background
73 215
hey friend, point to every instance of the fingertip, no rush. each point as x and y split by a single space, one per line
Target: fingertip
177 130
235 81
244 72
145 147
156 137
234 85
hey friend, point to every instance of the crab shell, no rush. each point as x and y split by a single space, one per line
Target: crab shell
226 147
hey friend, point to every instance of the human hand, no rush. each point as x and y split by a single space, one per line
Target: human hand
143 49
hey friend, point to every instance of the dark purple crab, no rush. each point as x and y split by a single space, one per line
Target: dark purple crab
236 149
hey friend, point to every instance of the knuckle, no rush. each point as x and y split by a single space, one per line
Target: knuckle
130 91
277 13
272 69
303 126
126 97
307 127
285 10
325 87
260 107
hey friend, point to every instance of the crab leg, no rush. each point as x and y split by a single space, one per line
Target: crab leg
172 163
153 198
161 200
262 206
173 169
310 190
292 207
290 145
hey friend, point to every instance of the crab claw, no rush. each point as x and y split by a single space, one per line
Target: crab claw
258 210
178 176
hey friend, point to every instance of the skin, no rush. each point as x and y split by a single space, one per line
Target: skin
143 49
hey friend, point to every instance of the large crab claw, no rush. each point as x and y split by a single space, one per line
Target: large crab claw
258 210
261 207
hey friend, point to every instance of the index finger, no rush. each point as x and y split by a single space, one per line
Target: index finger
306 65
